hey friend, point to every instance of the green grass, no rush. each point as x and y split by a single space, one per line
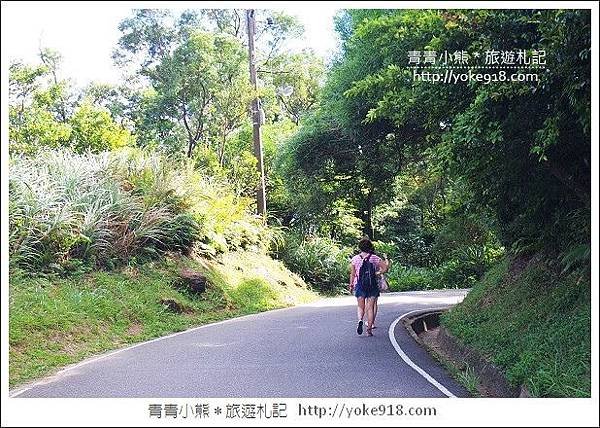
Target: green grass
56 321
534 324
469 379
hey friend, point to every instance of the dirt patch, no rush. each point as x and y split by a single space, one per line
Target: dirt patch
488 300
193 281
18 348
518 265
135 329
131 271
175 306
74 341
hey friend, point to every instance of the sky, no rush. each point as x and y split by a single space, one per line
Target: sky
86 35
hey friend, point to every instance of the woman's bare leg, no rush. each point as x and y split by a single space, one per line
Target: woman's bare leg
360 311
370 314
374 311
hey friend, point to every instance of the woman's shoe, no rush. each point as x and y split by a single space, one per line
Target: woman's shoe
359 328
369 331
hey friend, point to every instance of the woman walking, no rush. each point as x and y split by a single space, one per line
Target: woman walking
383 286
364 268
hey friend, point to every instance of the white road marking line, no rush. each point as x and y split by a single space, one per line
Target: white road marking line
408 361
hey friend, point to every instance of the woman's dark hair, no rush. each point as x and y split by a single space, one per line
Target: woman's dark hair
366 245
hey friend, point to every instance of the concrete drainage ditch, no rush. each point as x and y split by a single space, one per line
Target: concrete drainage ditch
426 330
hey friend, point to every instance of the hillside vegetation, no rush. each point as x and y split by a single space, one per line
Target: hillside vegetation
482 184
534 323
479 184
57 320
98 246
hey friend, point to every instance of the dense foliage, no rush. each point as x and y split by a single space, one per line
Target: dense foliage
445 177
450 174
451 180
163 161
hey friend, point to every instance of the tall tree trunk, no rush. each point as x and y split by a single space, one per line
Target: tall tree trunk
61 107
190 148
369 225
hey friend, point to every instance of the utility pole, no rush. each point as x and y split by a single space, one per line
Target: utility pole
256 115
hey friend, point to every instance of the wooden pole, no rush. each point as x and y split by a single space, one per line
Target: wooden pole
256 117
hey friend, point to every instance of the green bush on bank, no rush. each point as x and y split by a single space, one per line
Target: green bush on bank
452 274
462 268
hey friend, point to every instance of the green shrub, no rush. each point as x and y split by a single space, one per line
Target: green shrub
452 274
402 278
388 248
455 274
320 261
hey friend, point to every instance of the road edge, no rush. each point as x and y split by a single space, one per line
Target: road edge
407 359
51 377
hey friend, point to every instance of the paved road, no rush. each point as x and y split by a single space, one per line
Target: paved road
306 351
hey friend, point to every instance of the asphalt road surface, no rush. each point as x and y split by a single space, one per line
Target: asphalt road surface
306 351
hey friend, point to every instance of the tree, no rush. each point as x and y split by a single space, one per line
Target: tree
227 21
198 78
357 160
93 129
24 81
45 113
300 75
520 150
147 37
33 128
34 118
196 64
57 91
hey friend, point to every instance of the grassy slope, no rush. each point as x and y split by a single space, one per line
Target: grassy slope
57 321
533 323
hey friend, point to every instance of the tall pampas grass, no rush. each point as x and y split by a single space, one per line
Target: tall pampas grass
112 207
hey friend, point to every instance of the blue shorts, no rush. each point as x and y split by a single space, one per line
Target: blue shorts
359 292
